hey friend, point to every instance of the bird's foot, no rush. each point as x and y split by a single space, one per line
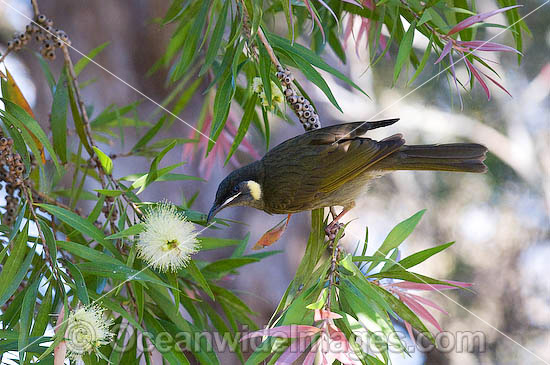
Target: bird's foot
332 230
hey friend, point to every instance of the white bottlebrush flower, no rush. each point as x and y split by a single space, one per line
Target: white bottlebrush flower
276 94
257 85
168 240
87 330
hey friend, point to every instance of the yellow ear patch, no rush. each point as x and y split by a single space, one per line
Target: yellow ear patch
255 189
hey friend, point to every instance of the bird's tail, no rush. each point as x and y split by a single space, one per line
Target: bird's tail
458 157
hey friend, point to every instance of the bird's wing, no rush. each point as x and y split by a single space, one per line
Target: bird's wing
349 158
321 161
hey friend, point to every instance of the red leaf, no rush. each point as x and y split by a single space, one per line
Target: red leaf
290 331
273 235
478 77
478 18
446 50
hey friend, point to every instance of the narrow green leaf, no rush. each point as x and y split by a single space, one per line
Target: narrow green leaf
16 279
190 51
249 110
212 243
58 117
81 225
405 48
174 355
426 17
412 277
28 125
107 192
130 231
419 257
117 272
222 102
81 291
423 62
78 123
216 39
224 265
42 318
50 241
27 312
46 70
309 56
265 72
86 252
105 160
397 235
153 170
197 275
83 62
150 134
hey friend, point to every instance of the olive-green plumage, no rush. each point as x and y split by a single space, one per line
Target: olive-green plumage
332 165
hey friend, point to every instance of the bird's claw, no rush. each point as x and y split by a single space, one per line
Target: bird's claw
332 230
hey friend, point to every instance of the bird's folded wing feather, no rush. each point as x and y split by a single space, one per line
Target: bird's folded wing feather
348 159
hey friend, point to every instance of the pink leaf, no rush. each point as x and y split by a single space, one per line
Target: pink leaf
349 29
496 83
290 331
353 2
454 78
446 50
369 4
310 358
479 78
422 286
410 331
420 310
330 10
428 302
321 314
294 351
315 18
478 18
488 46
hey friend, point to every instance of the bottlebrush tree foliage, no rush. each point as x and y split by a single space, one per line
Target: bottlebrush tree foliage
102 285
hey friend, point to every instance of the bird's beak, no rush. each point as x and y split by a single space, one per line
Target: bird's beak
216 208
213 211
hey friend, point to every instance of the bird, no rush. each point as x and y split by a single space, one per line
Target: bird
332 166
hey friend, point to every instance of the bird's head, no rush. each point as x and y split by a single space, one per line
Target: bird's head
242 187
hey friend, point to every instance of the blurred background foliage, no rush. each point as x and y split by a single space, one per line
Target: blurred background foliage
499 221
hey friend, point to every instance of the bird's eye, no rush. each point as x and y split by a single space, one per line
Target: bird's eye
236 189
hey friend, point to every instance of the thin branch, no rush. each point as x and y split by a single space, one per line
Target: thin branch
35 8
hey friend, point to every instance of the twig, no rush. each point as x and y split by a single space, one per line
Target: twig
35 8
333 271
88 130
